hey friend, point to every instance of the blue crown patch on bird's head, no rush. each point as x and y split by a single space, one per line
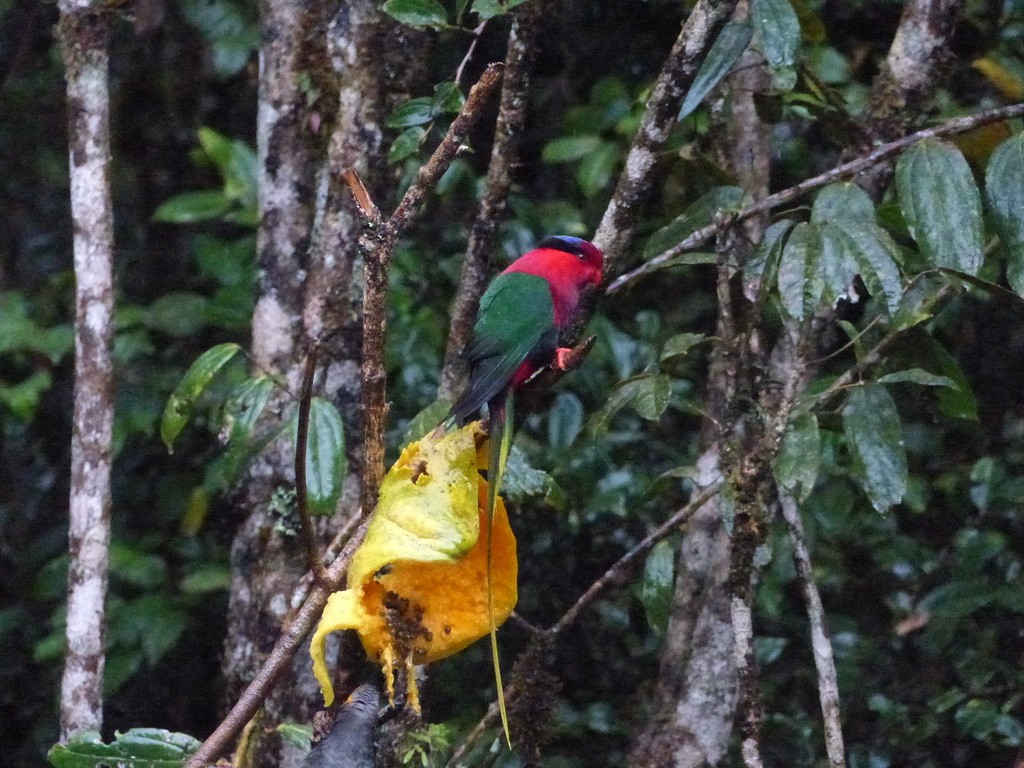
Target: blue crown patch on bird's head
573 245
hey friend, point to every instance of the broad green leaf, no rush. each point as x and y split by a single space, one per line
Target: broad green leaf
680 344
838 267
844 200
236 162
1004 185
699 214
296 734
193 383
917 376
657 586
570 148
180 313
241 412
796 467
426 420
942 205
413 112
23 398
958 403
417 13
918 302
565 421
727 48
874 434
873 252
761 270
448 98
778 30
326 464
232 38
646 394
522 480
800 279
190 207
407 143
206 579
769 649
136 748
490 8
595 171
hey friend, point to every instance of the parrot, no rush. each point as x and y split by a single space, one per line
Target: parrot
517 329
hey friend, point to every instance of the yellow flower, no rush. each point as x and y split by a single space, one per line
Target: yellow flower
417 586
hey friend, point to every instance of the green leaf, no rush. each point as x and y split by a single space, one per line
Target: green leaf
417 13
326 464
136 748
206 579
232 38
646 394
299 736
237 164
796 467
917 376
180 313
800 279
595 171
448 98
680 344
778 29
193 383
241 412
699 214
942 205
1004 185
570 148
918 302
426 420
874 433
406 144
565 421
488 9
844 200
959 403
413 112
761 270
23 398
522 480
657 586
190 207
869 248
727 48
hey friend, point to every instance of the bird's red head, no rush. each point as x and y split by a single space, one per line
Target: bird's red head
569 264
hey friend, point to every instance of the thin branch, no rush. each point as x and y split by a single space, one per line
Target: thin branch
381 243
522 51
852 168
698 33
292 637
828 687
615 574
84 34
315 562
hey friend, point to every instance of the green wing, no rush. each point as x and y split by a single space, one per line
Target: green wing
515 315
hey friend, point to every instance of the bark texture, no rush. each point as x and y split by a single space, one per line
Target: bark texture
83 33
618 225
307 248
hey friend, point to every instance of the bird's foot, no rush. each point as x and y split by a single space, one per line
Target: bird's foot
563 358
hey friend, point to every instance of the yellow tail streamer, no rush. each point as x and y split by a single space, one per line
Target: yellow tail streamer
500 436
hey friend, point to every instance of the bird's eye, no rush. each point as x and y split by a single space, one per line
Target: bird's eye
581 256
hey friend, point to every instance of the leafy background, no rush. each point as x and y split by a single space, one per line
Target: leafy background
911 485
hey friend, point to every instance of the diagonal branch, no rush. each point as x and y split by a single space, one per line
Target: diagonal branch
828 687
522 51
379 242
84 34
852 168
618 225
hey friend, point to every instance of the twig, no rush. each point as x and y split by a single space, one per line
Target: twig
858 165
522 50
828 687
614 575
315 562
381 241
84 33
292 636
618 224
469 51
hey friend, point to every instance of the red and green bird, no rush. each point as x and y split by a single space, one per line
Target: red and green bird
521 316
